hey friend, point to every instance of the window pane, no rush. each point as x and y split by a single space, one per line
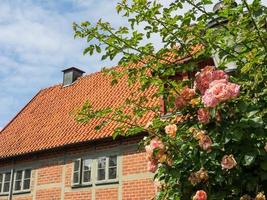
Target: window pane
86 165
67 78
27 174
112 173
87 170
7 182
101 174
112 161
26 184
18 185
76 165
1 178
102 162
1 181
18 175
7 177
76 178
6 187
86 176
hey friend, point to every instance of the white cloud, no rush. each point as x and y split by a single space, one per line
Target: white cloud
36 43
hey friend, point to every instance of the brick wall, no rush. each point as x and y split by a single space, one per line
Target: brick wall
52 174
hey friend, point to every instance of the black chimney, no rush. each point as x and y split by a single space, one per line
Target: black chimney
70 75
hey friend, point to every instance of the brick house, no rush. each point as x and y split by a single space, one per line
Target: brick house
46 155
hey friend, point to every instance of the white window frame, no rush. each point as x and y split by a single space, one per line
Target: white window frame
79 173
107 180
82 172
22 181
3 183
81 182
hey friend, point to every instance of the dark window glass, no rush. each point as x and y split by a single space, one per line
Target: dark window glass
27 174
86 171
101 175
1 182
76 178
113 161
112 173
27 179
112 170
18 180
68 78
26 184
7 182
76 172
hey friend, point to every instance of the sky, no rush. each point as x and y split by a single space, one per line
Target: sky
36 43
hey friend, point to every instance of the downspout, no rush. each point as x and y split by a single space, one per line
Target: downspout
10 195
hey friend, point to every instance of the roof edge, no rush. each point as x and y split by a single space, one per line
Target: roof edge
23 108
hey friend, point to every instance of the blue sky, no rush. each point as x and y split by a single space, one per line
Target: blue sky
36 43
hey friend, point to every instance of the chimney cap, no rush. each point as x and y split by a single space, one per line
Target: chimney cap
73 69
70 75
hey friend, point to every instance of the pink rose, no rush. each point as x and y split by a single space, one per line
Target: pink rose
215 82
234 89
203 115
200 195
152 165
179 102
149 152
187 93
205 142
228 162
209 100
206 76
219 91
219 74
156 143
171 130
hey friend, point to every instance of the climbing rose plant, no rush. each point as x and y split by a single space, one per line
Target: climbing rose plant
211 142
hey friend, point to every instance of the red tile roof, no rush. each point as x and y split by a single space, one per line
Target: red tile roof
46 123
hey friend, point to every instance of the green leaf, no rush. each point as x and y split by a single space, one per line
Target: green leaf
248 160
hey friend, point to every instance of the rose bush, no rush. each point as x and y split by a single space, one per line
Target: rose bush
212 142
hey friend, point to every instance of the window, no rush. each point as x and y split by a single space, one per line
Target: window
22 180
5 179
82 172
107 168
76 172
1 182
86 172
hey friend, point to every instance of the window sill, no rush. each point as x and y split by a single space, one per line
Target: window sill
106 182
81 185
21 192
16 193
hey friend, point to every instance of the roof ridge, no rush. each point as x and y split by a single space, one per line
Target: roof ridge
82 77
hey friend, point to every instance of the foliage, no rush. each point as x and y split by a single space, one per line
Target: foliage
201 149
